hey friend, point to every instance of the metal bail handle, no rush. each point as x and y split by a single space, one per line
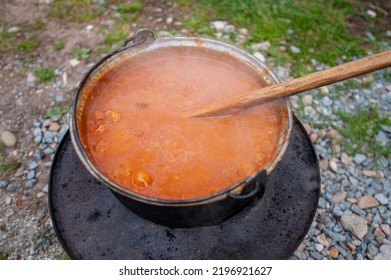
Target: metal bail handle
252 187
142 37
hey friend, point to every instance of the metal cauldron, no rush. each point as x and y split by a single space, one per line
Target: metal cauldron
207 210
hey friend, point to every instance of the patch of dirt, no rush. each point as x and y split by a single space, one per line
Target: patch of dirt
21 11
359 25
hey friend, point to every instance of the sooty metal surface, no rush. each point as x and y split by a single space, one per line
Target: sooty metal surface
92 224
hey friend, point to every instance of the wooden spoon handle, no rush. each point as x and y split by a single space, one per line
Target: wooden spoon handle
325 77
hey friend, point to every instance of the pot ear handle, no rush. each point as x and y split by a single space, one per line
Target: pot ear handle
142 37
252 187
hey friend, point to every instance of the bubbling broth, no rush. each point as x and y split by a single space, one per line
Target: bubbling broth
134 131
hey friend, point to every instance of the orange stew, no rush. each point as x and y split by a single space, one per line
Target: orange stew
133 129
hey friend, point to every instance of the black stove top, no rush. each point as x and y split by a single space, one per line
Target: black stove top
92 224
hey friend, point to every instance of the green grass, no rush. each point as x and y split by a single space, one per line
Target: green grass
387 75
62 256
7 165
38 25
29 45
57 112
81 53
4 255
117 36
320 28
360 130
58 46
44 74
129 13
129 8
74 10
7 40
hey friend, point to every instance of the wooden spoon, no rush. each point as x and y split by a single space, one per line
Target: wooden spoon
325 77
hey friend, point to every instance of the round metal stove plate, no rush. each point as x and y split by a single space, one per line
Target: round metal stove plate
92 224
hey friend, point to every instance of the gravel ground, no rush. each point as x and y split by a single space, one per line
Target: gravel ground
354 213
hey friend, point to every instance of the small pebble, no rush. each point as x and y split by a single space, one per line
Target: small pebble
355 224
54 127
3 183
367 201
337 211
359 158
218 25
382 199
13 29
370 173
40 195
385 253
74 62
313 137
334 252
379 233
316 255
31 175
59 98
30 183
47 123
294 49
7 200
8 138
37 131
32 165
260 56
12 186
262 46
307 100
45 188
371 13
308 128
169 20
38 139
48 151
333 165
339 197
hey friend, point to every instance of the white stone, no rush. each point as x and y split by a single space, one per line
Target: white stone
218 25
8 138
333 165
324 90
30 77
355 224
371 13
243 31
74 62
345 159
13 29
260 56
319 247
262 46
307 99
169 20
7 200
89 27
295 49
229 28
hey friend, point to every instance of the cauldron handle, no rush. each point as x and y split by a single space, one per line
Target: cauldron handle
142 37
259 181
